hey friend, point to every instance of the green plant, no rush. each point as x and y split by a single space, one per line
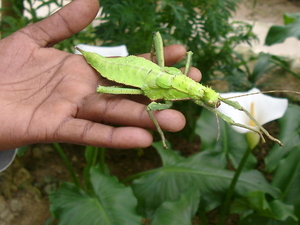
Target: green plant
14 19
185 187
278 34
202 25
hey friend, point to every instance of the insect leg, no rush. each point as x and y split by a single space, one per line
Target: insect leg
118 90
153 106
188 62
232 122
158 50
236 105
158 47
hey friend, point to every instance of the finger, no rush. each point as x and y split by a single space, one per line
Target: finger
69 20
173 54
120 111
85 132
194 74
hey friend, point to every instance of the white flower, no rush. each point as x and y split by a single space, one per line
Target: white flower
262 107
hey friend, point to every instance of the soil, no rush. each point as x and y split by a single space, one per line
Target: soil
268 11
25 185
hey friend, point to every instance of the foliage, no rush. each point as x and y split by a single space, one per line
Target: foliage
290 128
291 28
230 146
15 19
202 25
278 34
184 187
74 206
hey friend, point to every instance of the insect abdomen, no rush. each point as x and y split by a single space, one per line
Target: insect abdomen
170 87
130 70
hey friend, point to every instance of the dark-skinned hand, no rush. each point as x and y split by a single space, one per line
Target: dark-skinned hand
47 95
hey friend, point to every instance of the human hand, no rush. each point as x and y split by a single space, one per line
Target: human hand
47 95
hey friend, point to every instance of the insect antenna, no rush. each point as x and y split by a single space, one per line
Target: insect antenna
219 128
265 92
217 118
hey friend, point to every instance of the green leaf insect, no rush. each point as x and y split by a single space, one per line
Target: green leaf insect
164 84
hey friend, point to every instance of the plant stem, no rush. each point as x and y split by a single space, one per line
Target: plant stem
91 159
68 164
230 192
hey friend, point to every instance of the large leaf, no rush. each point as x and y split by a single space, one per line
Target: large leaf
259 220
262 66
178 212
278 34
289 136
287 179
112 204
266 62
290 17
231 145
256 204
178 176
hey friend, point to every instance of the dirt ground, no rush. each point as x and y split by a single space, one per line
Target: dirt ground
269 11
24 186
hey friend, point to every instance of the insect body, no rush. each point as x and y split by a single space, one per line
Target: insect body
153 81
158 82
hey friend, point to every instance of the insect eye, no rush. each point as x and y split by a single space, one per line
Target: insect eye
218 104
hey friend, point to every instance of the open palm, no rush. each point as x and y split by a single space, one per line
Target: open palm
47 95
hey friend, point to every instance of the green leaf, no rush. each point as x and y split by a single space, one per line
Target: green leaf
168 182
290 17
112 204
266 62
282 211
231 145
289 135
287 179
180 211
278 34
257 204
171 157
21 151
258 220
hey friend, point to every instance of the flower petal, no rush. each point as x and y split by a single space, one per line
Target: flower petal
264 108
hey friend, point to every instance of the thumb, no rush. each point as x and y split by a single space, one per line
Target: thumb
69 20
